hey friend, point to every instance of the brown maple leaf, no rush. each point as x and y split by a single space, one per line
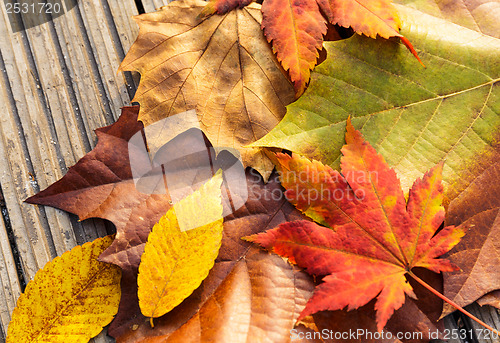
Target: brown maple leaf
102 185
375 237
221 66
476 208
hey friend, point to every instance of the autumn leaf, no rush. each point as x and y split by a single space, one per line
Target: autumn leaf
476 209
70 300
446 112
477 15
181 250
296 30
376 237
223 6
102 185
420 317
491 299
371 18
221 66
256 283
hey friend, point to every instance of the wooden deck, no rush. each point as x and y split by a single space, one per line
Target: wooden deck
58 82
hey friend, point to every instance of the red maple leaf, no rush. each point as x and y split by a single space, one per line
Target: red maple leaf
374 239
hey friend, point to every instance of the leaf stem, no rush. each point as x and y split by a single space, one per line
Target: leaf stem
455 305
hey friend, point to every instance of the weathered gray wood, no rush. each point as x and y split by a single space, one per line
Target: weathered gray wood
490 316
152 5
10 288
451 325
58 82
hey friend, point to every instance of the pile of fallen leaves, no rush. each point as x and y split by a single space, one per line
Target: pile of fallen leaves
363 217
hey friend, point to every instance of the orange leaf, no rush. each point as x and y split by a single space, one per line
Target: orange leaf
375 237
223 6
296 29
369 17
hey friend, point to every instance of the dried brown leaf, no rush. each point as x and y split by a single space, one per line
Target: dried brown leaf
272 288
477 208
222 66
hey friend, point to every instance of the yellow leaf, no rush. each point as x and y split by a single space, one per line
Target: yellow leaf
181 250
70 299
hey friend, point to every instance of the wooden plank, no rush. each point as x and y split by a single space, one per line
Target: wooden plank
490 316
452 326
153 5
127 29
10 287
95 19
58 83
16 166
